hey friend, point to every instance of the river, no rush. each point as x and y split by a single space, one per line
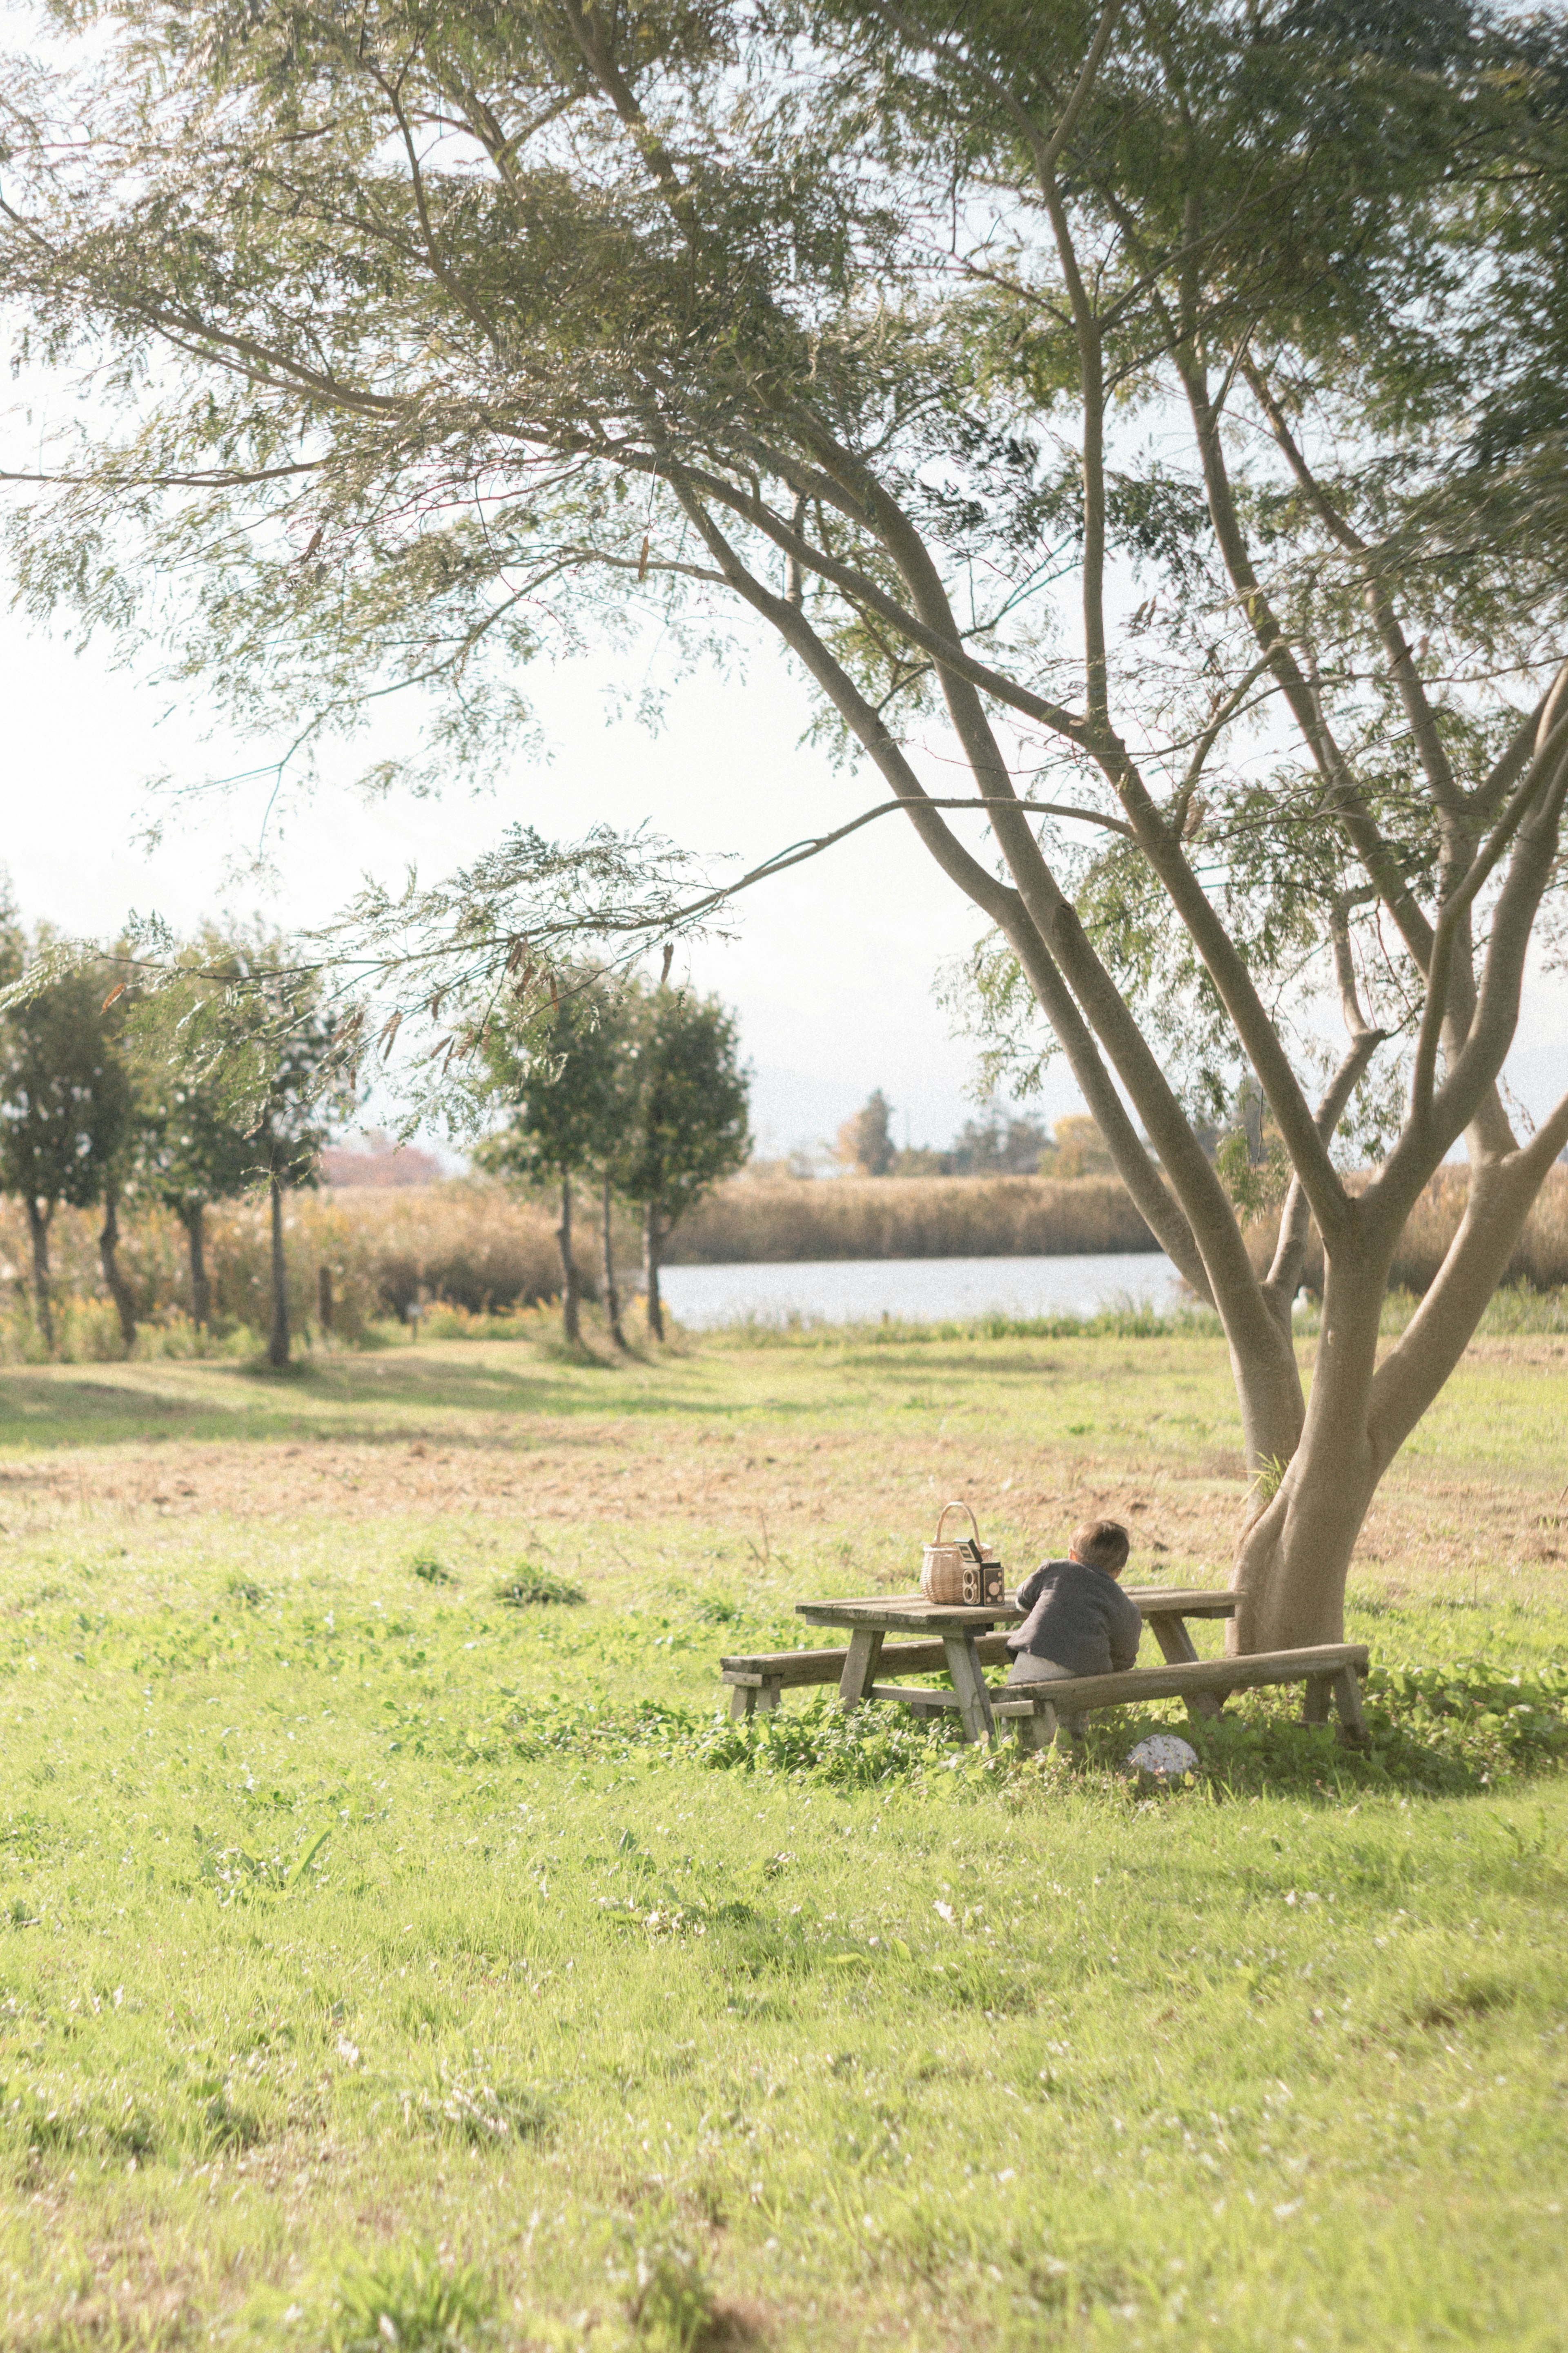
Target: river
913 1289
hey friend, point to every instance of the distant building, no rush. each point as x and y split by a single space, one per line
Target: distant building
375 1160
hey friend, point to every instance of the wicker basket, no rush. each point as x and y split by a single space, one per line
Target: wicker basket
967 1573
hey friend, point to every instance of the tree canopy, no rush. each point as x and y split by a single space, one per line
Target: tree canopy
689 1101
1143 426
556 1071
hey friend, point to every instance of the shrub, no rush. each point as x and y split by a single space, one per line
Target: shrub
532 1588
405 2302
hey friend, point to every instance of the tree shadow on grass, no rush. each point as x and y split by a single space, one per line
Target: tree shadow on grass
331 1398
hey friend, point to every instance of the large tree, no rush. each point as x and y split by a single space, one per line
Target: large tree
1144 425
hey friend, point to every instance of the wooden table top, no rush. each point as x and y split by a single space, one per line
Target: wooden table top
891 1613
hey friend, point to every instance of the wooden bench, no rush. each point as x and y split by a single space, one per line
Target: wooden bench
1046 1712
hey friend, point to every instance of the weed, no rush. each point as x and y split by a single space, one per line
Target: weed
529 1589
667 2299
430 1571
405 2301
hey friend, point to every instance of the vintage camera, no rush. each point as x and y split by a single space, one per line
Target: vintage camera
983 1582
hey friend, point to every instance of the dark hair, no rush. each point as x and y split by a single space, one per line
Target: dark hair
1103 1544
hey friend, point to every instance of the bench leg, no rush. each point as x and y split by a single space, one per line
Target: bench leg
1347 1699
1319 1698
974 1699
745 1699
1038 1730
859 1666
1175 1640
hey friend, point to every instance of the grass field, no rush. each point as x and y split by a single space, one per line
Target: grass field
385 1962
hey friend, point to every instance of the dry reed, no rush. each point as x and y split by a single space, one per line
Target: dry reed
473 1246
780 1220
1540 1260
478 1251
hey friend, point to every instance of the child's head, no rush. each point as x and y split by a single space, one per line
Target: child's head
1101 1544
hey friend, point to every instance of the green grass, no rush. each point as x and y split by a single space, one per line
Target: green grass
375 1949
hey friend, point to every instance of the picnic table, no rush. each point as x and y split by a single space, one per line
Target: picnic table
954 1636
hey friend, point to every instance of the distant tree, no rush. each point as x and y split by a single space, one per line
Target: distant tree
195 1149
1077 1148
557 1075
250 1082
691 1125
288 1137
865 1141
994 1146
65 1104
920 1160
123 1167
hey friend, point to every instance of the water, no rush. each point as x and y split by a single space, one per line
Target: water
915 1290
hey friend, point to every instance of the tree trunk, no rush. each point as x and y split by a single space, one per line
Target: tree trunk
611 1296
277 1345
194 1219
109 1257
43 1292
652 1242
325 1305
1292 1562
570 1319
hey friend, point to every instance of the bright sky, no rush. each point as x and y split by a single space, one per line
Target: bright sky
832 965
831 968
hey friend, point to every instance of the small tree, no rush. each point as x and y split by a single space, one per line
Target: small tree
864 1143
65 1110
557 1075
195 1151
1078 1149
288 1138
690 1126
994 1146
249 1067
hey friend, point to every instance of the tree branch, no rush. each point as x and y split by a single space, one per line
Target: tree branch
1428 743
1552 746
1340 789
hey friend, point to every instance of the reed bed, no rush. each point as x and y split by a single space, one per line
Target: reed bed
1540 1262
752 1220
470 1246
477 1255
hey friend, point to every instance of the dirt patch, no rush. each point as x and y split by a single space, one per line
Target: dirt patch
776 1484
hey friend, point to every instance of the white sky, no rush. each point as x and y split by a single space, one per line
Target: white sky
832 967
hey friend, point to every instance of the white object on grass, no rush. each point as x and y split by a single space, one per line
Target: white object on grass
1162 1757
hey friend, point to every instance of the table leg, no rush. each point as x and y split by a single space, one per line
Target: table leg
974 1700
1170 1631
859 1666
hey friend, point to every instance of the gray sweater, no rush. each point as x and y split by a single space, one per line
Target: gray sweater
1079 1618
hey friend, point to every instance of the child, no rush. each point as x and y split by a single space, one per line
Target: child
1078 1620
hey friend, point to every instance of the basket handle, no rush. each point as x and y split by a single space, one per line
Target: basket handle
956 1507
